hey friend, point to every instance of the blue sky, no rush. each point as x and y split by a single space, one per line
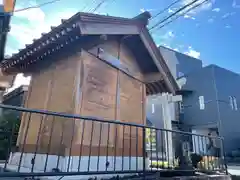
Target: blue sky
210 32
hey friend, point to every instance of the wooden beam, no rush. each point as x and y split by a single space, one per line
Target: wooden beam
153 77
106 28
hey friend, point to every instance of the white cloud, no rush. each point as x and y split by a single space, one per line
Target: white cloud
228 26
226 15
186 16
167 37
143 10
28 25
170 10
211 20
170 34
197 25
35 14
216 10
193 53
205 6
19 81
34 22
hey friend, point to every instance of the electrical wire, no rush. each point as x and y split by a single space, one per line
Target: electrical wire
98 5
87 7
165 9
27 8
173 14
37 6
177 17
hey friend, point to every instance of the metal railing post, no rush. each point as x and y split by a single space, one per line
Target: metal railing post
144 151
224 156
183 155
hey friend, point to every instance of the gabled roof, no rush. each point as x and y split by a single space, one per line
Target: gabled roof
84 24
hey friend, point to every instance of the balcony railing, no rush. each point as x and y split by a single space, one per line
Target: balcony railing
60 144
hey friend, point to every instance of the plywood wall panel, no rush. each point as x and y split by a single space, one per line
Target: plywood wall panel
99 97
86 85
52 89
36 100
118 50
131 99
62 99
131 110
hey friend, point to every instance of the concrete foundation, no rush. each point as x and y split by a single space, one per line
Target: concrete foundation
70 164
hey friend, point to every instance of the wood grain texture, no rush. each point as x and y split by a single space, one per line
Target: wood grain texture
22 127
86 85
115 48
37 100
99 89
51 89
131 98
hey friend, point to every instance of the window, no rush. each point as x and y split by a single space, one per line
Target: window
180 74
181 107
153 108
201 102
233 102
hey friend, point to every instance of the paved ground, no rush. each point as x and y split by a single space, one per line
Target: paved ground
234 169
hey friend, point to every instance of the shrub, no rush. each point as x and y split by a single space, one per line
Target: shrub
9 126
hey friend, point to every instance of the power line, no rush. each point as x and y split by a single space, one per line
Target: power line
177 17
85 8
98 6
165 9
27 8
37 6
173 14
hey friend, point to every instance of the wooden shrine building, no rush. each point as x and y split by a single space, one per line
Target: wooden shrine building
91 65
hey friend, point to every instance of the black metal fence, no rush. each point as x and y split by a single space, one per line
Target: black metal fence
60 144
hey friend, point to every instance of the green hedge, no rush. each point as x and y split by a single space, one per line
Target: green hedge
9 127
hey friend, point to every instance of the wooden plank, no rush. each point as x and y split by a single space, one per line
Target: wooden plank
22 127
51 89
130 111
104 28
61 100
36 100
114 52
152 77
99 89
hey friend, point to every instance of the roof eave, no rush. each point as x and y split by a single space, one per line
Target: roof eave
128 26
159 61
85 24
